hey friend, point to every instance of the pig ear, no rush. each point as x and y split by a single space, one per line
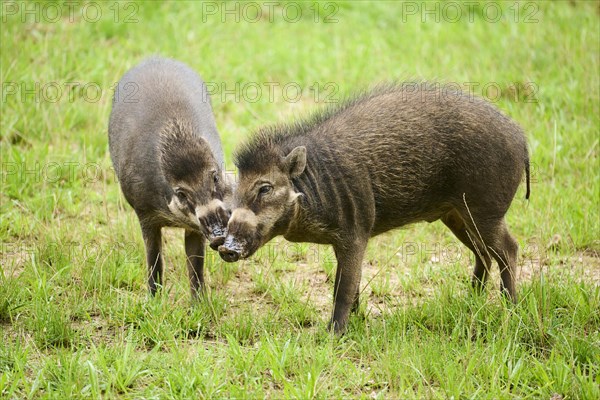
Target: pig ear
295 162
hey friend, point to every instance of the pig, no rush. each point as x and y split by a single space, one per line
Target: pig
396 155
167 155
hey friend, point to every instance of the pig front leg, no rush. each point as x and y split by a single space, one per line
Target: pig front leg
347 283
194 250
153 242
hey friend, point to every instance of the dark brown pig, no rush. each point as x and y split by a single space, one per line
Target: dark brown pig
167 154
393 156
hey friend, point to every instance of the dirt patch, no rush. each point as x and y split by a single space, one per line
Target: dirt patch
384 288
583 266
13 258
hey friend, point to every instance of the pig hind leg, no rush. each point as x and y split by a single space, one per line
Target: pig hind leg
495 241
504 249
456 224
194 250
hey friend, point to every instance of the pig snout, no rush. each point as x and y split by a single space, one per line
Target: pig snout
230 250
216 237
214 220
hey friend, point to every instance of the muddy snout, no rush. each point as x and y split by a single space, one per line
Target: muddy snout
231 249
214 219
216 237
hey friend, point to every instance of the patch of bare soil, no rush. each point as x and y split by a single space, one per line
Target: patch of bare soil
318 287
12 262
583 266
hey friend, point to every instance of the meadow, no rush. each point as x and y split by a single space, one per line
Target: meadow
75 316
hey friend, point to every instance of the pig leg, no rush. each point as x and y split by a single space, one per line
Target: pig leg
194 250
347 283
153 241
504 248
483 261
356 303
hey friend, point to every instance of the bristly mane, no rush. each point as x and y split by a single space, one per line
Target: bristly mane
265 144
182 155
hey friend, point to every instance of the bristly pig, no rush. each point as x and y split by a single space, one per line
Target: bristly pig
396 155
167 155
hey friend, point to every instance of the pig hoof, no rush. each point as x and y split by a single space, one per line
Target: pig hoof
336 327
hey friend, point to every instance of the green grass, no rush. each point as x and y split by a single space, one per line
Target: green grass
75 317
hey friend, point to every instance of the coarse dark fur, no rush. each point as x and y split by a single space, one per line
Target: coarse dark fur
396 155
167 155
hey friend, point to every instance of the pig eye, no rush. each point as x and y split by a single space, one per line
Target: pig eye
265 189
216 179
181 196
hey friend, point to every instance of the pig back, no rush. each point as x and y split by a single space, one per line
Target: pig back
418 153
146 100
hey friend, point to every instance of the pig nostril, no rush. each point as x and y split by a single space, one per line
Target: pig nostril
228 254
216 241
